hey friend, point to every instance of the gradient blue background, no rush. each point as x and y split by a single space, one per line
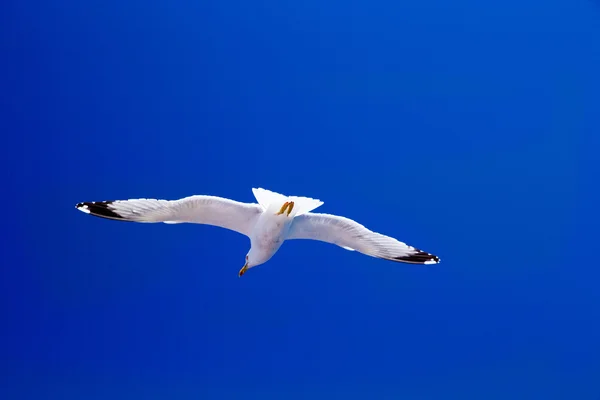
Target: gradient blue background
466 128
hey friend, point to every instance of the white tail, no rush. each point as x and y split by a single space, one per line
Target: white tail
302 205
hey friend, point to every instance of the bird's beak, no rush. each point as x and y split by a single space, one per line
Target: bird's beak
243 270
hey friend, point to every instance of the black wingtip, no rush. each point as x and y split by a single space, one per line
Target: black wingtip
99 209
419 257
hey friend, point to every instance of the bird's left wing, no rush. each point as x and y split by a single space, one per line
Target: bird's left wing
209 210
351 235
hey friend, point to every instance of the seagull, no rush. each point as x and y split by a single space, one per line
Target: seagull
268 224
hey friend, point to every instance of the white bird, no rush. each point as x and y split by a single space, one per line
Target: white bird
268 224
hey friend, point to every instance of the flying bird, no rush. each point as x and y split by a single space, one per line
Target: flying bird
268 224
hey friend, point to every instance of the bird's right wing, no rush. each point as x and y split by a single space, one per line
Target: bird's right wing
209 210
351 235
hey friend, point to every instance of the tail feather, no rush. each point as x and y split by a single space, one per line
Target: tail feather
265 197
302 205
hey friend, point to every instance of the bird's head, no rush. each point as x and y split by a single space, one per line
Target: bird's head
251 261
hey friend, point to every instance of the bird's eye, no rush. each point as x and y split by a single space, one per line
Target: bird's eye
246 258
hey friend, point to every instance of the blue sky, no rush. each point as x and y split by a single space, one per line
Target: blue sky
465 128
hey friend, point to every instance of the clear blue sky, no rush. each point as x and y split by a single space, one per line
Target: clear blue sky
466 128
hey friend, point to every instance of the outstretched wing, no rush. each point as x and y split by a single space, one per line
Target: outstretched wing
351 235
209 210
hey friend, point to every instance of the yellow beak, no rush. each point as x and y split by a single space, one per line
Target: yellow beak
243 270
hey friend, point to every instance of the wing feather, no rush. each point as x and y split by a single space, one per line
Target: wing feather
351 235
208 210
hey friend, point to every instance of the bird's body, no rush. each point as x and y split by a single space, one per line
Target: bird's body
268 224
269 234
